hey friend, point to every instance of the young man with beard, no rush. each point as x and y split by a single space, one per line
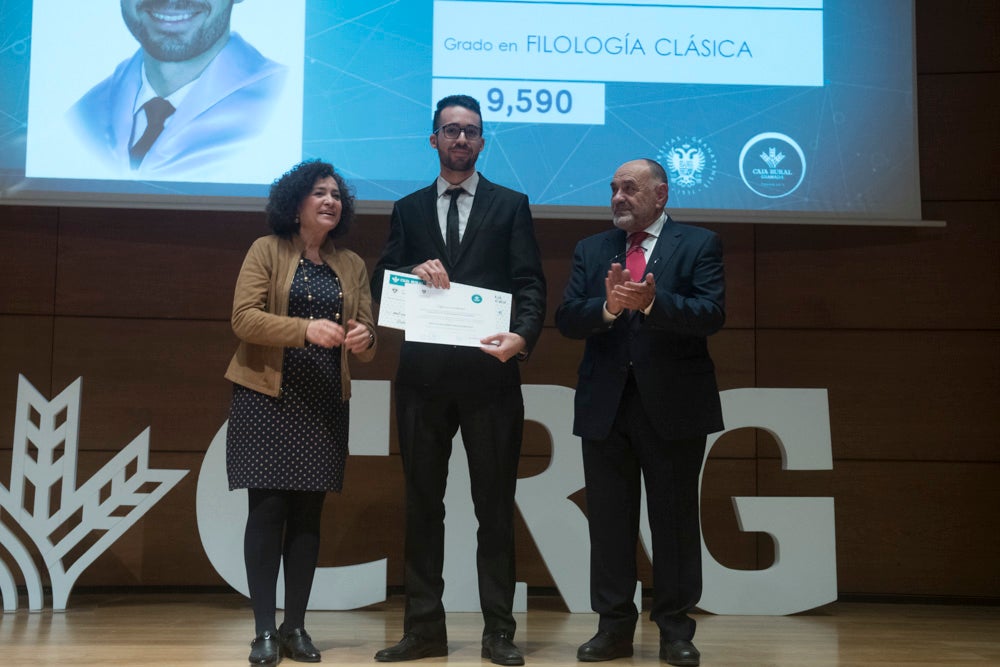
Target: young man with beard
462 228
185 104
644 296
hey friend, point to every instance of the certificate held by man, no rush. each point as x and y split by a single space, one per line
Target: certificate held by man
460 315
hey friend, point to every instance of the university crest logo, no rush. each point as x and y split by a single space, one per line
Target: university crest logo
690 164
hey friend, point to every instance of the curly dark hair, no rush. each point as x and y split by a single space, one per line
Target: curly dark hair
288 192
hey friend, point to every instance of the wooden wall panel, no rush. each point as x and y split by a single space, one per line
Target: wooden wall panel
738 250
897 395
883 278
367 237
152 263
957 116
25 349
556 240
957 36
165 375
734 353
29 237
919 528
554 360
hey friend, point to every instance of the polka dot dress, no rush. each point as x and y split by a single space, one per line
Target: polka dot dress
298 440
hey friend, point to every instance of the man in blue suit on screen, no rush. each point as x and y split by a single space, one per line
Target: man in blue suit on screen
188 102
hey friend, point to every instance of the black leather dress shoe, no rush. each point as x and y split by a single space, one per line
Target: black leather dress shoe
679 652
297 645
265 649
604 646
412 647
499 648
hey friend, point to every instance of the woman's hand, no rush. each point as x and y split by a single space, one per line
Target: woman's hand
359 337
325 333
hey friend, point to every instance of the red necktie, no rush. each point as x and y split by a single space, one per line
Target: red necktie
635 256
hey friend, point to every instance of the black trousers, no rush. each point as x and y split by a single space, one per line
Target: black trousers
614 469
492 425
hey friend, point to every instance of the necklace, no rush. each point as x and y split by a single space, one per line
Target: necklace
315 306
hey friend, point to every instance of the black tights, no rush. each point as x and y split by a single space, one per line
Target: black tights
281 524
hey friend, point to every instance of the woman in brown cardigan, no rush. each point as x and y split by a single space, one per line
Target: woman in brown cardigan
302 306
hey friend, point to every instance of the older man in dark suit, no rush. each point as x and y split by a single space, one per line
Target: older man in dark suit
467 229
644 296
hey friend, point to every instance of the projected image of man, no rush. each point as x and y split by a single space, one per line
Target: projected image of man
187 102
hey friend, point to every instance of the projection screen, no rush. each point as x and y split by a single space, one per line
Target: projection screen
760 111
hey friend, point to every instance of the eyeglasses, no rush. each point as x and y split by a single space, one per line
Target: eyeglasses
452 130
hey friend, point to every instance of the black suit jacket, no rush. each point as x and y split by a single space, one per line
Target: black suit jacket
498 252
667 349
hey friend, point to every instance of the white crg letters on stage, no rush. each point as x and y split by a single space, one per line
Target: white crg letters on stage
802 577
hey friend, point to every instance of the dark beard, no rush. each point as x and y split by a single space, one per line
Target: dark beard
458 164
175 49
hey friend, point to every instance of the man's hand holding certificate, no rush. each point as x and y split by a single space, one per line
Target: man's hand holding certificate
461 315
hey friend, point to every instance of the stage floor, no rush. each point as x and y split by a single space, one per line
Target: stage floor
215 629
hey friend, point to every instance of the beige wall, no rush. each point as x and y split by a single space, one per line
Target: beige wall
901 325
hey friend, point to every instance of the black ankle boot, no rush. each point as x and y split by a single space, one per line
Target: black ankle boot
265 649
297 645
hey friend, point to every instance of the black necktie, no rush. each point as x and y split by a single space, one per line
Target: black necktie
451 236
157 111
